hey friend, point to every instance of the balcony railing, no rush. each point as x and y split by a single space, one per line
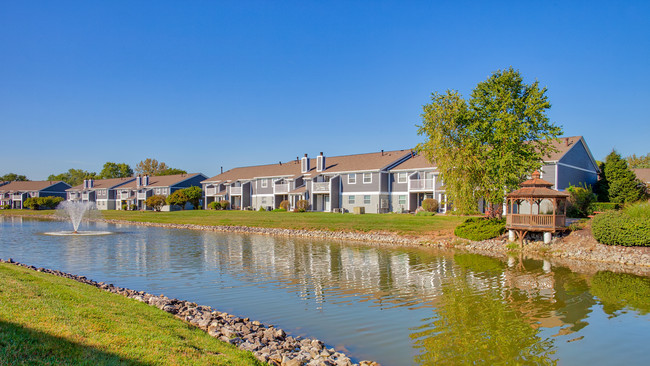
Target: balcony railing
210 191
542 221
16 197
142 195
421 185
235 191
321 187
124 195
282 188
85 196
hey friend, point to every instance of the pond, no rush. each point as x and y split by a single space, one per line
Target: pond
397 306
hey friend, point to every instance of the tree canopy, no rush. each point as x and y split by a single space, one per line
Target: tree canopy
178 198
485 146
152 167
638 162
114 170
622 184
12 177
73 176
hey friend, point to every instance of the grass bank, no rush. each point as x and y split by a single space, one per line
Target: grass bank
401 224
49 320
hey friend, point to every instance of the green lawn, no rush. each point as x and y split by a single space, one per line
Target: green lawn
403 224
49 320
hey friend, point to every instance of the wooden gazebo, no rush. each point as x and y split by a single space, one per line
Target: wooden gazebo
535 207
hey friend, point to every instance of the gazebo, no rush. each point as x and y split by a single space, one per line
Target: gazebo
535 207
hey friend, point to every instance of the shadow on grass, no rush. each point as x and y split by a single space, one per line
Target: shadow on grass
23 346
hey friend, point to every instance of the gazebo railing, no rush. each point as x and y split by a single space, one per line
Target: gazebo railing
536 220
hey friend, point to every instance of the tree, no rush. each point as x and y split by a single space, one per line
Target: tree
73 177
178 198
623 185
13 177
150 167
640 162
485 146
171 171
156 202
113 170
194 195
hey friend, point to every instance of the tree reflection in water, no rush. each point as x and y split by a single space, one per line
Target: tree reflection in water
476 322
617 291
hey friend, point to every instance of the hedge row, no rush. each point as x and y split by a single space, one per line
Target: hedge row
620 228
479 228
603 206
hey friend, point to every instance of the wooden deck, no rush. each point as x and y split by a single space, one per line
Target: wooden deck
535 222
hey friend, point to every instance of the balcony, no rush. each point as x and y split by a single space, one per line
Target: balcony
210 191
124 195
282 188
235 191
16 197
142 195
421 185
321 187
85 196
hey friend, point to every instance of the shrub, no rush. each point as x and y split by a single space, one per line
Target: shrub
225 204
279 210
579 201
603 206
178 198
42 203
124 207
214 205
430 205
285 205
480 228
629 227
425 213
30 203
6 207
302 206
134 207
156 202
261 209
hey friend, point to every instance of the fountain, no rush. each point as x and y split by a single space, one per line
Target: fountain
75 212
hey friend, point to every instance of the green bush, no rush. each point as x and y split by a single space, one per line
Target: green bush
279 210
214 205
302 206
225 204
42 203
134 207
629 227
425 213
124 207
430 205
285 205
579 201
261 209
6 207
156 202
480 228
603 206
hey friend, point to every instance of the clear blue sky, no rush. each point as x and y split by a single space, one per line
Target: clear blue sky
205 84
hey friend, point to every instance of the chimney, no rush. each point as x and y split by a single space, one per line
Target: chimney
85 183
382 152
304 164
145 180
320 162
221 170
91 183
280 163
138 181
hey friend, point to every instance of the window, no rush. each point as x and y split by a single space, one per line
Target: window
367 178
401 177
164 191
352 178
351 199
366 199
157 190
265 183
402 200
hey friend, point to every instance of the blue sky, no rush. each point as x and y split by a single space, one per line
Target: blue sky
205 84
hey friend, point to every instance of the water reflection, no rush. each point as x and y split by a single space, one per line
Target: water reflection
396 306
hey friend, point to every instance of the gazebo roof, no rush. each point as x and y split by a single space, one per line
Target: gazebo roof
537 188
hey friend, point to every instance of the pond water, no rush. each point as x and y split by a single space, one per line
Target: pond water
396 306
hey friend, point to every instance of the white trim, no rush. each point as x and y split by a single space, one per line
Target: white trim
578 168
363 178
355 178
555 186
413 169
262 195
363 193
402 174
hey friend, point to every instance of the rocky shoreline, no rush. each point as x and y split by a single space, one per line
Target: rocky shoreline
269 344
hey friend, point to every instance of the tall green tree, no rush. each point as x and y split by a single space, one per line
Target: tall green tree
638 162
623 185
171 171
485 146
73 176
13 177
150 166
114 170
178 198
194 195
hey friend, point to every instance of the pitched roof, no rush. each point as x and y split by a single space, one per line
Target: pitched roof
103 183
418 161
642 174
360 162
30 185
289 169
162 180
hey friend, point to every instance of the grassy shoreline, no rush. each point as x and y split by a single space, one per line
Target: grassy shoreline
405 225
49 320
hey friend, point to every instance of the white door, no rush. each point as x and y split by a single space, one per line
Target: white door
327 203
